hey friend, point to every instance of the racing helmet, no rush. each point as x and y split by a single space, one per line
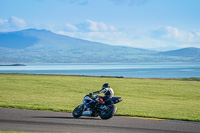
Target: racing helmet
106 85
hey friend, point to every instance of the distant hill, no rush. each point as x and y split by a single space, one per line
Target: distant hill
190 53
42 46
187 52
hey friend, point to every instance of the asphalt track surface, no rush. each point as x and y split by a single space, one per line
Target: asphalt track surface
46 121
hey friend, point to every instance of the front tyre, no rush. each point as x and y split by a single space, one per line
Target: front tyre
109 112
78 111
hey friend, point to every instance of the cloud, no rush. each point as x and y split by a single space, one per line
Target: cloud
12 24
3 21
96 26
70 27
170 36
17 22
174 34
91 30
116 2
76 2
99 26
161 37
79 2
196 32
89 26
129 2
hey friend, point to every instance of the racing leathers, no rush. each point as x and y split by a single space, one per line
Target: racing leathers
108 92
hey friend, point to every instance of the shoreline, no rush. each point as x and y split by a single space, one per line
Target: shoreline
12 65
182 79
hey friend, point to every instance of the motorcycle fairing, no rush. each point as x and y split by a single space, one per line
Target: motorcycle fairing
114 100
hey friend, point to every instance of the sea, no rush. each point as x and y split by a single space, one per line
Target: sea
150 70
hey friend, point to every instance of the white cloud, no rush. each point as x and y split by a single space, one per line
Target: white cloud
162 37
171 33
91 30
96 26
99 26
129 2
75 2
4 25
17 22
170 36
85 27
89 27
196 32
3 21
12 24
71 27
116 2
175 33
78 2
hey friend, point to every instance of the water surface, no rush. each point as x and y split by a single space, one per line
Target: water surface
171 70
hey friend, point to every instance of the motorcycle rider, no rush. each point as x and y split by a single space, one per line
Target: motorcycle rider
108 92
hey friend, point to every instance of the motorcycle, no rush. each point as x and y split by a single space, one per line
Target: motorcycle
95 106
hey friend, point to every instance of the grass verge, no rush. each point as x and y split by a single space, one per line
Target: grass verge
15 132
153 98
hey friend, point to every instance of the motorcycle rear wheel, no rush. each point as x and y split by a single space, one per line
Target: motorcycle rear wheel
78 111
109 112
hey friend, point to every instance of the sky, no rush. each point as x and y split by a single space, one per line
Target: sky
151 24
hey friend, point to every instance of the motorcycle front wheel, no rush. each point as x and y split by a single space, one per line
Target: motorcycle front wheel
108 113
78 111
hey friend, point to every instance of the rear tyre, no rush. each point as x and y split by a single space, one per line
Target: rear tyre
78 111
108 113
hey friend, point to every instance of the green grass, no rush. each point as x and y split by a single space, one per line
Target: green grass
14 132
154 98
22 132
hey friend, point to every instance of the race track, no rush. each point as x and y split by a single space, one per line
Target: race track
44 121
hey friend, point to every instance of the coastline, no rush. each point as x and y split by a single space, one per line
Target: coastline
108 70
12 65
182 79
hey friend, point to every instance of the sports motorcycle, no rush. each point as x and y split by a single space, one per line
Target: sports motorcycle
94 106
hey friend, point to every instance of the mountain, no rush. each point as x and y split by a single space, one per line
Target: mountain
42 46
190 54
187 52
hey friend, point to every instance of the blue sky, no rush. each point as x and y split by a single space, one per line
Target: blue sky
152 24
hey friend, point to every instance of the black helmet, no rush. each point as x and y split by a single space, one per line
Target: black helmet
106 85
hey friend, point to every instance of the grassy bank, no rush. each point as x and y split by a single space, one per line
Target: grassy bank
13 132
171 99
